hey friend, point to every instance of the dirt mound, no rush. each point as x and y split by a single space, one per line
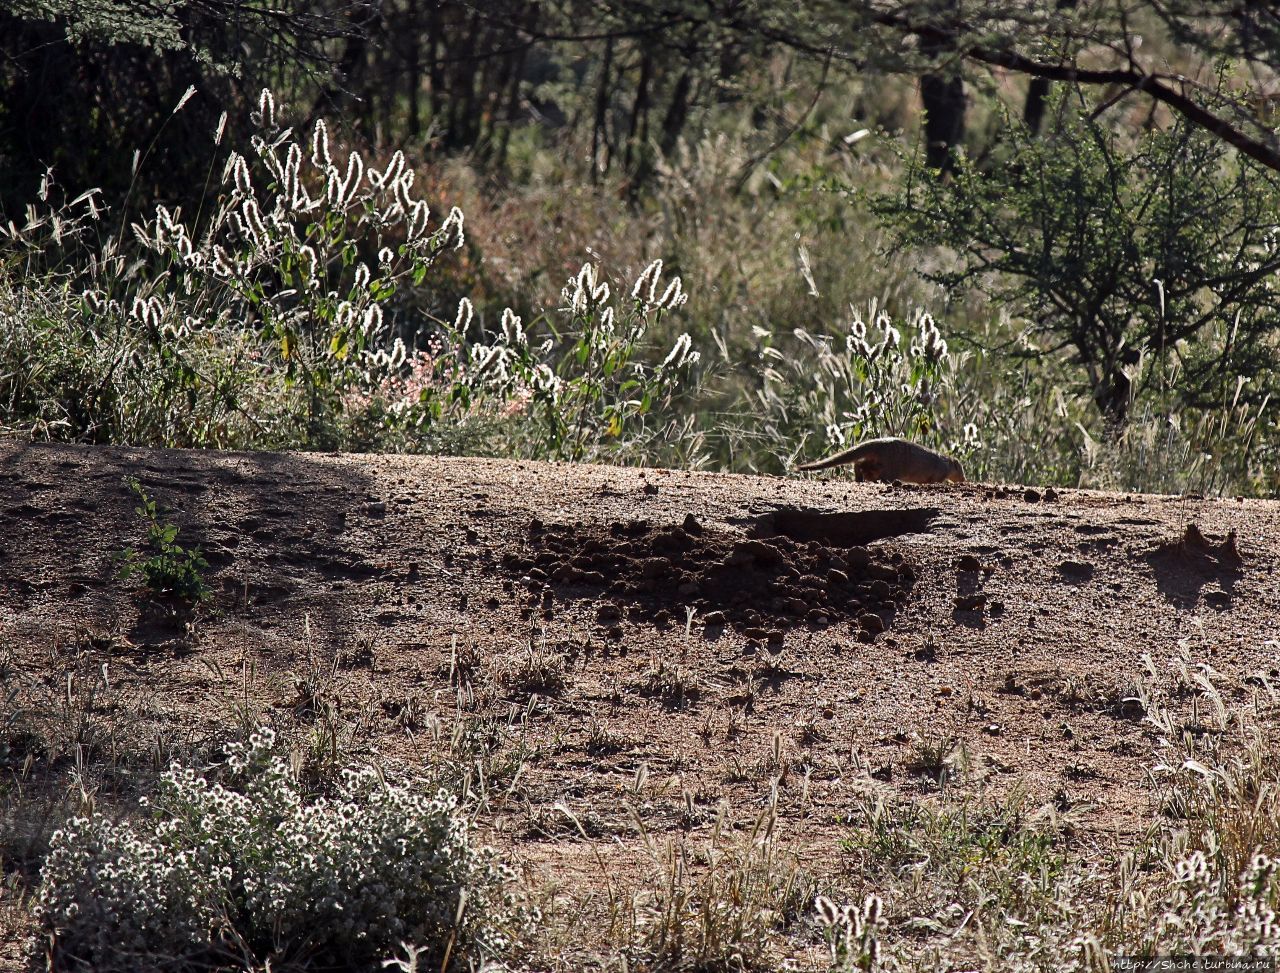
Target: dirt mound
754 584
1184 567
1196 551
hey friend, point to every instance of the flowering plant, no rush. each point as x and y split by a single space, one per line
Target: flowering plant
250 869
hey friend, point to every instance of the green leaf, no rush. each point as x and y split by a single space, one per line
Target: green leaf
339 346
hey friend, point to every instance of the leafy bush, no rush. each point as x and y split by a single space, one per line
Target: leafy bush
587 391
250 871
1152 260
306 252
581 392
241 328
170 569
277 321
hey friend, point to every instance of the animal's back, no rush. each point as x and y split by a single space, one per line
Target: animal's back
894 459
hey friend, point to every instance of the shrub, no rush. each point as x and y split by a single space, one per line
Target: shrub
170 569
308 253
250 871
570 386
1152 260
281 320
243 326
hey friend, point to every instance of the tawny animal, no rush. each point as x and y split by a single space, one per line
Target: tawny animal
893 459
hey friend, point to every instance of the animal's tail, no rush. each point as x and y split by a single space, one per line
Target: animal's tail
839 459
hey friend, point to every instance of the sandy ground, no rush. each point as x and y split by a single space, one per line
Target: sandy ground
656 639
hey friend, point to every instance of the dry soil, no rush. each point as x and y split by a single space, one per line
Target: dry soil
656 639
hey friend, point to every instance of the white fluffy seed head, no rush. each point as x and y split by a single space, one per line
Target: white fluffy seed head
240 172
646 285
419 216
674 296
826 910
266 114
454 225
465 313
320 145
388 176
513 327
680 353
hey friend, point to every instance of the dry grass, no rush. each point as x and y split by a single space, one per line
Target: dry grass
534 670
960 875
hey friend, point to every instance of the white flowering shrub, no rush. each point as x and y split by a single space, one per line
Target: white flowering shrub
240 326
576 386
273 321
585 383
878 379
249 870
304 251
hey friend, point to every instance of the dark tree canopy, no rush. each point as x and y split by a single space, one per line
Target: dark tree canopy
84 85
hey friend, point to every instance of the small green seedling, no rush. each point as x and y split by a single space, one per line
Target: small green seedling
166 567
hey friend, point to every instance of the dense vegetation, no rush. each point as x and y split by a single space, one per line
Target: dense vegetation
1045 240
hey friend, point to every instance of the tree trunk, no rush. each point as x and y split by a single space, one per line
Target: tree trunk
944 101
435 71
1033 110
413 40
944 124
634 161
678 110
1038 91
600 128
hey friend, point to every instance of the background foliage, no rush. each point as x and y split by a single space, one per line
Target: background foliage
1078 197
